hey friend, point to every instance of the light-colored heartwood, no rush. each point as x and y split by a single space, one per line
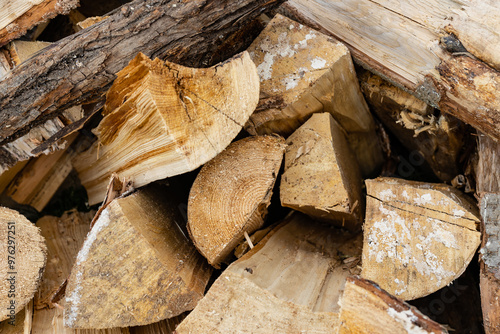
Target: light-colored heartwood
322 177
162 119
302 72
289 283
418 237
136 266
231 194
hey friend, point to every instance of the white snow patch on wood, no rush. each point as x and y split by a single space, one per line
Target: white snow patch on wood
407 319
73 300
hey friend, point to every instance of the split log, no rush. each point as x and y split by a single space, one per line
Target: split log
19 325
64 236
289 283
24 254
437 139
302 72
366 308
163 119
136 266
488 188
321 176
39 180
82 66
19 16
419 237
400 41
231 194
7 176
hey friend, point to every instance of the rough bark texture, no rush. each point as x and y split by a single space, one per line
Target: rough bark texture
81 67
488 187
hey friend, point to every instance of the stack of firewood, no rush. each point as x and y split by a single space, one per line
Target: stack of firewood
250 166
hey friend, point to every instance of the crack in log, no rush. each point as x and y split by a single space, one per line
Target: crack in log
419 214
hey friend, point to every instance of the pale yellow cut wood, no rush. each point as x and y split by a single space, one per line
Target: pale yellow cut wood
231 194
89 21
22 50
64 236
401 41
289 283
302 72
322 177
23 253
367 309
15 326
162 119
419 237
136 265
12 9
7 176
41 177
438 140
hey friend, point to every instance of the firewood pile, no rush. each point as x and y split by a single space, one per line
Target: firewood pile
244 166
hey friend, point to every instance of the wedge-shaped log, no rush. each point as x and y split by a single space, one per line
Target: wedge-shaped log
419 237
163 119
23 254
231 194
365 308
136 266
322 177
289 283
438 140
65 236
302 72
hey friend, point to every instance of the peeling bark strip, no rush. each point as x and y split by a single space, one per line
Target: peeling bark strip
81 67
400 41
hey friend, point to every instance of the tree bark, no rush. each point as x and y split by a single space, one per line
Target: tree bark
81 67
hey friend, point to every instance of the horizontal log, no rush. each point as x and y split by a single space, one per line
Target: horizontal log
81 67
412 46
